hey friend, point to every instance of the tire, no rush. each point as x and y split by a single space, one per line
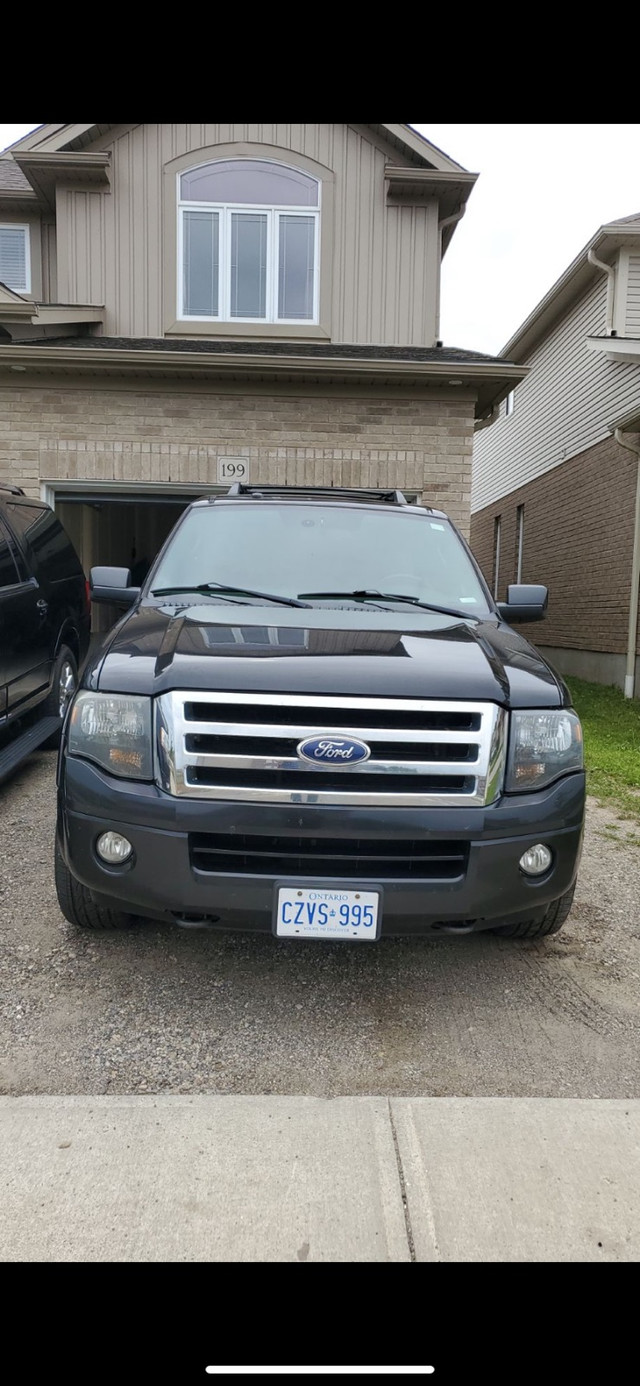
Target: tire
553 920
78 904
63 687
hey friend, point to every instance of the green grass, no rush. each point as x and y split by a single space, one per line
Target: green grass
611 725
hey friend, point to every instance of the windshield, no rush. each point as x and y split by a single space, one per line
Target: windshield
310 548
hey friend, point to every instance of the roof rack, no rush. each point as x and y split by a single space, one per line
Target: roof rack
13 490
320 493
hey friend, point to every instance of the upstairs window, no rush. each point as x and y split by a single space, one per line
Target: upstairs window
248 242
15 267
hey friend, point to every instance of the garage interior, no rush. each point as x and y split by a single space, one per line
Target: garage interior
125 530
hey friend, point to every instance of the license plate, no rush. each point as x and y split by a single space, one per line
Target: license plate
323 912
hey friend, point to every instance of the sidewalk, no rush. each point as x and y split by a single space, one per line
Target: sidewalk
311 1179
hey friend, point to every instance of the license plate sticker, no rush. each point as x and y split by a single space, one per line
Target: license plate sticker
323 912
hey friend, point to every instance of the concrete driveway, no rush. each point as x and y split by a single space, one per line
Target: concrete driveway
163 1011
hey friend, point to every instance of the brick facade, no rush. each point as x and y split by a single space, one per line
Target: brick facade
578 536
170 433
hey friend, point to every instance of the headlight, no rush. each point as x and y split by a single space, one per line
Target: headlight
542 746
115 731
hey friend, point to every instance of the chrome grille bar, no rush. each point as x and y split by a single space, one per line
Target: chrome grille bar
186 770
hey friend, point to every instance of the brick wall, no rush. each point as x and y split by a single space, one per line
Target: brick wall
64 432
578 535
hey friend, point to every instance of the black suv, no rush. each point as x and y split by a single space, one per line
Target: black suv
315 719
44 625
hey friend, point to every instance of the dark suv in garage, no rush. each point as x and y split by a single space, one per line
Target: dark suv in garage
44 625
315 719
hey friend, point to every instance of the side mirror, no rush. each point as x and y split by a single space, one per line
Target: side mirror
525 602
112 585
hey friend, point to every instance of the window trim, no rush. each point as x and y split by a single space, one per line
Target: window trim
497 537
21 226
519 540
225 212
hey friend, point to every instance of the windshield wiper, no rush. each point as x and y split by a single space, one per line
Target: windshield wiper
370 595
221 587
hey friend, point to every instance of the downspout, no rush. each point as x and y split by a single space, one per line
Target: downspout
630 672
611 287
447 221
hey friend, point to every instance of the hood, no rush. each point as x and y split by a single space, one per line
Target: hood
348 652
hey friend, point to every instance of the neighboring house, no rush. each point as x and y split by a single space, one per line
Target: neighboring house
186 306
555 495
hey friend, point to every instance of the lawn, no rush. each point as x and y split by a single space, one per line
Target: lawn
611 725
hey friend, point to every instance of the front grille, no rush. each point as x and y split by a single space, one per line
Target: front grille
279 746
334 858
243 747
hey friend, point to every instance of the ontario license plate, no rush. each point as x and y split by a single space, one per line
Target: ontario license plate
319 912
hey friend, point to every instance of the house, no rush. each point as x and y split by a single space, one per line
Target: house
556 494
187 306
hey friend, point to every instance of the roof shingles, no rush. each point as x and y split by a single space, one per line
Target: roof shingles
313 350
12 178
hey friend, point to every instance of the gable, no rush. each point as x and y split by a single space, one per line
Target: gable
399 142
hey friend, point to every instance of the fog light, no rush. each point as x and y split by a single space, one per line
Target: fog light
113 848
536 860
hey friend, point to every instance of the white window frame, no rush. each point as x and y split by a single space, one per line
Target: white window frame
520 541
21 226
273 214
497 537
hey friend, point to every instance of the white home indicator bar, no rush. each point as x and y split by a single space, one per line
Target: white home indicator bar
319 1371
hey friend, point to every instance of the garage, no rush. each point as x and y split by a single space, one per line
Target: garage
124 526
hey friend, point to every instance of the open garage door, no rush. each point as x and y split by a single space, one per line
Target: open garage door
123 527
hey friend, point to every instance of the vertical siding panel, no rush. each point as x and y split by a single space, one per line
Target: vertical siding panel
49 265
378 285
349 233
123 220
389 326
432 263
339 168
363 284
139 231
154 214
63 247
633 297
325 144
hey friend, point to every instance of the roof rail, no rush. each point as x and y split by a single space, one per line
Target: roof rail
389 497
13 490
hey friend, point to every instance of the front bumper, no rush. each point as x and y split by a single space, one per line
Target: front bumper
161 882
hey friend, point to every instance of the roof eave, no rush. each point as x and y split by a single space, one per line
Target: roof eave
490 380
575 279
417 186
45 170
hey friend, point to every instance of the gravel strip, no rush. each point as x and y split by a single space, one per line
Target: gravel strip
161 1010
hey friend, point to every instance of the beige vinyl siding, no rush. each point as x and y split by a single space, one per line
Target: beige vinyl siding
563 407
80 220
49 262
633 297
384 261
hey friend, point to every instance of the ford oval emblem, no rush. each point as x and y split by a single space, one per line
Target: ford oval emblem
334 751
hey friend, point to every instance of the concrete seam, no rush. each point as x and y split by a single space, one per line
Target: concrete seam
403 1191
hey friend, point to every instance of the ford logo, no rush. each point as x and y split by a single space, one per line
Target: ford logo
333 750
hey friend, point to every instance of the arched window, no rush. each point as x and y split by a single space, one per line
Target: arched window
249 239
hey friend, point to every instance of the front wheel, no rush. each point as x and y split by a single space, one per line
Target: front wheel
78 905
550 923
63 687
